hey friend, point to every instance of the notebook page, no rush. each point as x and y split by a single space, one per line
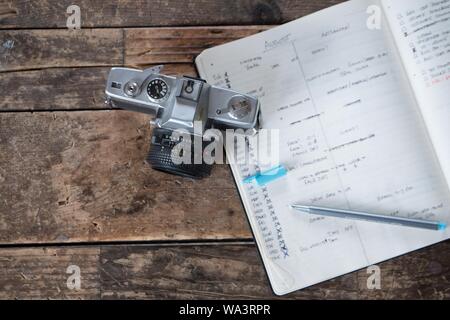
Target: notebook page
351 137
422 31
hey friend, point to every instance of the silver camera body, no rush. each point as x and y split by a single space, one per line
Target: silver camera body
178 103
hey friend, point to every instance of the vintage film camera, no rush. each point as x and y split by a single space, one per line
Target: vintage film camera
176 103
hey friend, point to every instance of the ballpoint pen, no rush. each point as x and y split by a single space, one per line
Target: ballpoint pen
339 213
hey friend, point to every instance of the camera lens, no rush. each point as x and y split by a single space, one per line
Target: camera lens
160 156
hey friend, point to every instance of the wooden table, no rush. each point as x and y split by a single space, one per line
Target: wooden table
74 188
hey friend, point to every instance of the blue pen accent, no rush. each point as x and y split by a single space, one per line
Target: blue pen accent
442 226
265 177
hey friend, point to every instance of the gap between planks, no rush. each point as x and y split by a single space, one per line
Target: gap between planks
131 243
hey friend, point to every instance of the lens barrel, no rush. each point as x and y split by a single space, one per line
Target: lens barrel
160 155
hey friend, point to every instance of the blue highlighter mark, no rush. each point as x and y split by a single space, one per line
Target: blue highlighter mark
268 176
442 226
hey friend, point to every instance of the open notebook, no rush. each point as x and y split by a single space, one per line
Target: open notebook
364 119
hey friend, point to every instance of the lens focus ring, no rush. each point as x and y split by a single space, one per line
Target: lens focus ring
160 156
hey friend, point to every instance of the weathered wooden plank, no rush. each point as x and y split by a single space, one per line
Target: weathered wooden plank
237 272
30 49
37 49
15 14
41 273
166 45
63 88
81 176
202 271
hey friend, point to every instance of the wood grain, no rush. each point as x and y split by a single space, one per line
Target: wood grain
167 45
19 14
201 271
63 88
81 176
41 273
31 49
37 49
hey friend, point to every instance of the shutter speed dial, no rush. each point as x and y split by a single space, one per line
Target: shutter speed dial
157 89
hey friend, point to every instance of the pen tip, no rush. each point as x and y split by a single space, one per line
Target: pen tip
299 207
442 226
